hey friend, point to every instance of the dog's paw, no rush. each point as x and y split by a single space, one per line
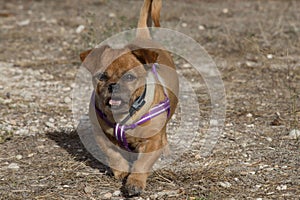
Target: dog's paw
134 186
120 175
132 190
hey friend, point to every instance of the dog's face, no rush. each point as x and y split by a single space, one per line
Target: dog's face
119 78
120 84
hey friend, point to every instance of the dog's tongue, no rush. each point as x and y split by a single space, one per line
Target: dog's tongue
115 102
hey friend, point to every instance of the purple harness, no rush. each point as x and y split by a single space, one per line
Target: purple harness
119 128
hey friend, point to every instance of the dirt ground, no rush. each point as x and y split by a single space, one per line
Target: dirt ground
256 46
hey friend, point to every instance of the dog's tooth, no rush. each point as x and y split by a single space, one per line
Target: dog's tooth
115 102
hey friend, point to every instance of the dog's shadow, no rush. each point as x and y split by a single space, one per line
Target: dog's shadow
70 141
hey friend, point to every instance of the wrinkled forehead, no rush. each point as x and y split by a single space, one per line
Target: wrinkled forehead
120 61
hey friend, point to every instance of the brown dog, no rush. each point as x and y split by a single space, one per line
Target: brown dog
132 102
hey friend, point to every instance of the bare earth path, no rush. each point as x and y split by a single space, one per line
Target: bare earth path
256 46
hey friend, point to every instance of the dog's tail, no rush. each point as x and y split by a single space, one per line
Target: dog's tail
149 12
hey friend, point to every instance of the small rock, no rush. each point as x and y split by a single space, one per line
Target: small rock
67 89
88 189
13 166
168 193
249 115
225 10
281 187
153 196
19 157
269 139
201 27
186 65
117 193
51 120
112 15
24 22
30 155
49 124
250 125
22 132
250 63
108 195
66 186
67 100
198 156
225 184
79 29
270 56
294 134
184 24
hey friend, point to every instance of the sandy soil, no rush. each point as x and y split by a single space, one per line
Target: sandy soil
256 47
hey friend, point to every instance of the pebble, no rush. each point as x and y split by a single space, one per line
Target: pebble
167 193
30 155
24 22
225 10
67 100
22 132
108 195
250 63
49 124
201 27
13 166
225 184
281 187
270 56
269 139
294 134
66 186
112 15
88 189
79 29
184 25
19 157
249 115
117 193
51 120
250 125
67 89
153 196
198 156
186 65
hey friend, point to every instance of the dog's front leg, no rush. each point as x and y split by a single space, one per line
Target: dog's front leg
115 160
136 181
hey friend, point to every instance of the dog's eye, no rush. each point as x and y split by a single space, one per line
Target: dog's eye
128 77
102 76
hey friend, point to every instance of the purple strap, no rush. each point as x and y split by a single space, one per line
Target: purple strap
119 130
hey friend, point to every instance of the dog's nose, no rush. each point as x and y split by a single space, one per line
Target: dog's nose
114 87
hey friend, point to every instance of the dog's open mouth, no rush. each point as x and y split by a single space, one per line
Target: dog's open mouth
115 103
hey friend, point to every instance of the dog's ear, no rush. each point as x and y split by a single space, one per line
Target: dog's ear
92 58
145 56
84 54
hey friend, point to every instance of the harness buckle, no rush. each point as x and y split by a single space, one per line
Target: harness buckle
136 106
